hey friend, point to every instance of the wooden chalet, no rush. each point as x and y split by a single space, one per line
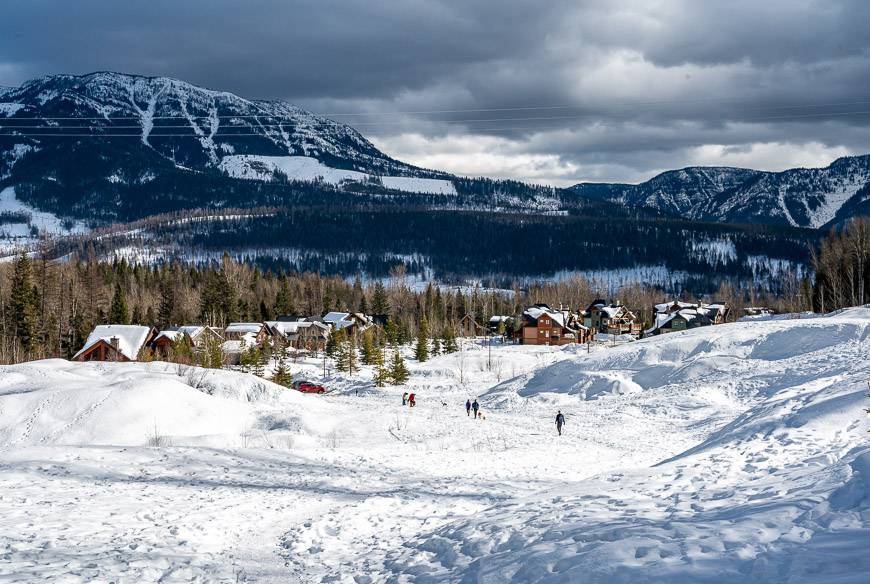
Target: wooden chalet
611 318
196 337
353 323
299 334
250 332
678 315
115 342
543 325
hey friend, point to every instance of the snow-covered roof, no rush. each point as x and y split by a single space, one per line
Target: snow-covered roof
244 327
336 317
292 328
131 338
171 334
537 312
247 341
665 306
610 311
499 318
192 331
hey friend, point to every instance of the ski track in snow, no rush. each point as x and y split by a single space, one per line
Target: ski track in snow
723 454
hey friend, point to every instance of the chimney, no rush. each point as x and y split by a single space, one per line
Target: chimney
114 341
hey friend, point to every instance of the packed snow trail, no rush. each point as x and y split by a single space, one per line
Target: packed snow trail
730 453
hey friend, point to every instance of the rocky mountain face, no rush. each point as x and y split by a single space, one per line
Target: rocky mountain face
800 197
156 117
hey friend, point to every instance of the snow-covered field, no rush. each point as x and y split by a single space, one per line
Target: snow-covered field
38 223
304 168
736 453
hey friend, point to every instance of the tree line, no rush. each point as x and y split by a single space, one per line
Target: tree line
48 307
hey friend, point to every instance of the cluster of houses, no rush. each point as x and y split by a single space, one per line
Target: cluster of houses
543 325
118 342
539 325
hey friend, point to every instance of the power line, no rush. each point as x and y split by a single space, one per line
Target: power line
447 111
100 131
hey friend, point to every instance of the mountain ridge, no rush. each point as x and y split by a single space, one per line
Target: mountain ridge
797 197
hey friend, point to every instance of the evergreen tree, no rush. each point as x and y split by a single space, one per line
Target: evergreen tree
119 313
24 304
391 332
421 352
345 355
284 300
211 356
181 351
166 310
448 337
380 302
382 374
282 375
399 373
436 347
136 317
370 350
336 337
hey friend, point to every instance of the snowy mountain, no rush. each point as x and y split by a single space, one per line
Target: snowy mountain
800 197
156 116
730 453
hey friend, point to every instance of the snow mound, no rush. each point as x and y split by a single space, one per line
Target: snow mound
135 404
780 494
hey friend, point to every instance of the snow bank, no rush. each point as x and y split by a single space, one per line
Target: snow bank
132 404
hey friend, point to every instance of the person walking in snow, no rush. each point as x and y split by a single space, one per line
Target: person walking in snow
405 398
560 421
468 407
475 406
412 400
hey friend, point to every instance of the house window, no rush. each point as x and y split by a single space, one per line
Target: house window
546 333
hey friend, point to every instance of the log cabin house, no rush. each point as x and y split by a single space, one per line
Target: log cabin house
115 342
543 325
678 315
611 318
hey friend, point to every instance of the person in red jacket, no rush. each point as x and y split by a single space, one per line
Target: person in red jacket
412 400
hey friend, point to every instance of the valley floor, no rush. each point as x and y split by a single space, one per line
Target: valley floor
731 453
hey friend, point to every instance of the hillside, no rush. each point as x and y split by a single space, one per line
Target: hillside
735 452
799 197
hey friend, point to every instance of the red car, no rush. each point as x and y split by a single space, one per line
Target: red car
307 387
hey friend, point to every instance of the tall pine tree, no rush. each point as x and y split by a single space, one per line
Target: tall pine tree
24 304
119 313
421 352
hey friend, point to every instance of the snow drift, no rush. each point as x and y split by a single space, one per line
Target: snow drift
58 402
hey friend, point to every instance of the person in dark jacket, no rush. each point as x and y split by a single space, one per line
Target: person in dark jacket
468 407
560 421
405 398
475 406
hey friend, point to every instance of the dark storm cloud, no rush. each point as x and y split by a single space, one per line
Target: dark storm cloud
617 90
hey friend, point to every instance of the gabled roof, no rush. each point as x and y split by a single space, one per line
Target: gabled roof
171 334
336 317
130 337
536 312
244 327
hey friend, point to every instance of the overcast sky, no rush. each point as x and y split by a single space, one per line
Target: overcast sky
550 91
